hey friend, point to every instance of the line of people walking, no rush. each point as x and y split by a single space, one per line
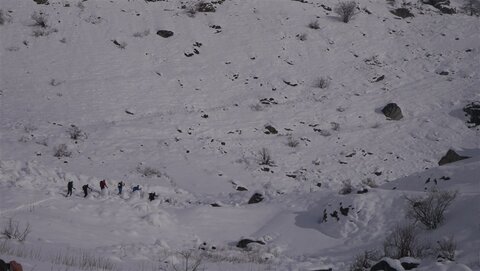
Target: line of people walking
103 185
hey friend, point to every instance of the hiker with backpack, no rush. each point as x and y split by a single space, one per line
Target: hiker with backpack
85 190
152 196
103 184
69 188
11 266
136 188
120 187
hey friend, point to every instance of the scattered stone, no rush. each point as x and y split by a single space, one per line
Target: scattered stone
392 111
378 78
256 198
244 243
363 191
130 111
292 84
165 33
326 7
41 2
270 130
241 188
443 73
472 110
451 157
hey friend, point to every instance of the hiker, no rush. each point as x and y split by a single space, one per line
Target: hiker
152 196
103 184
11 266
69 188
136 188
120 187
85 190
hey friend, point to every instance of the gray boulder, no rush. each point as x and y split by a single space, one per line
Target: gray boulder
392 111
450 157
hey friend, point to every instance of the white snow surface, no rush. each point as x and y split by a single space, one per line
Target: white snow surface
195 125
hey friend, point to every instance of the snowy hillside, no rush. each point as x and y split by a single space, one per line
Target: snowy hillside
277 98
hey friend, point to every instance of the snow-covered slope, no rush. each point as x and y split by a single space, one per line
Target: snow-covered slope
191 112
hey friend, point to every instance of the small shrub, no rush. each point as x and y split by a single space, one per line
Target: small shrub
257 107
369 182
3 18
365 260
346 10
190 260
292 142
446 248
322 82
191 11
265 158
403 242
13 230
61 151
204 7
149 171
346 188
76 133
314 25
142 34
431 209
39 19
472 7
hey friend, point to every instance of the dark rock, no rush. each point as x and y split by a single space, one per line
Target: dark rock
451 157
188 54
392 111
244 243
409 266
241 188
270 130
326 7
290 83
379 78
165 33
41 2
215 205
129 112
344 211
446 9
256 198
472 110
402 12
363 191
443 73
383 266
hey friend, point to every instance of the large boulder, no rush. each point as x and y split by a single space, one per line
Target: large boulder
244 242
392 111
165 33
472 110
450 157
387 264
256 198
